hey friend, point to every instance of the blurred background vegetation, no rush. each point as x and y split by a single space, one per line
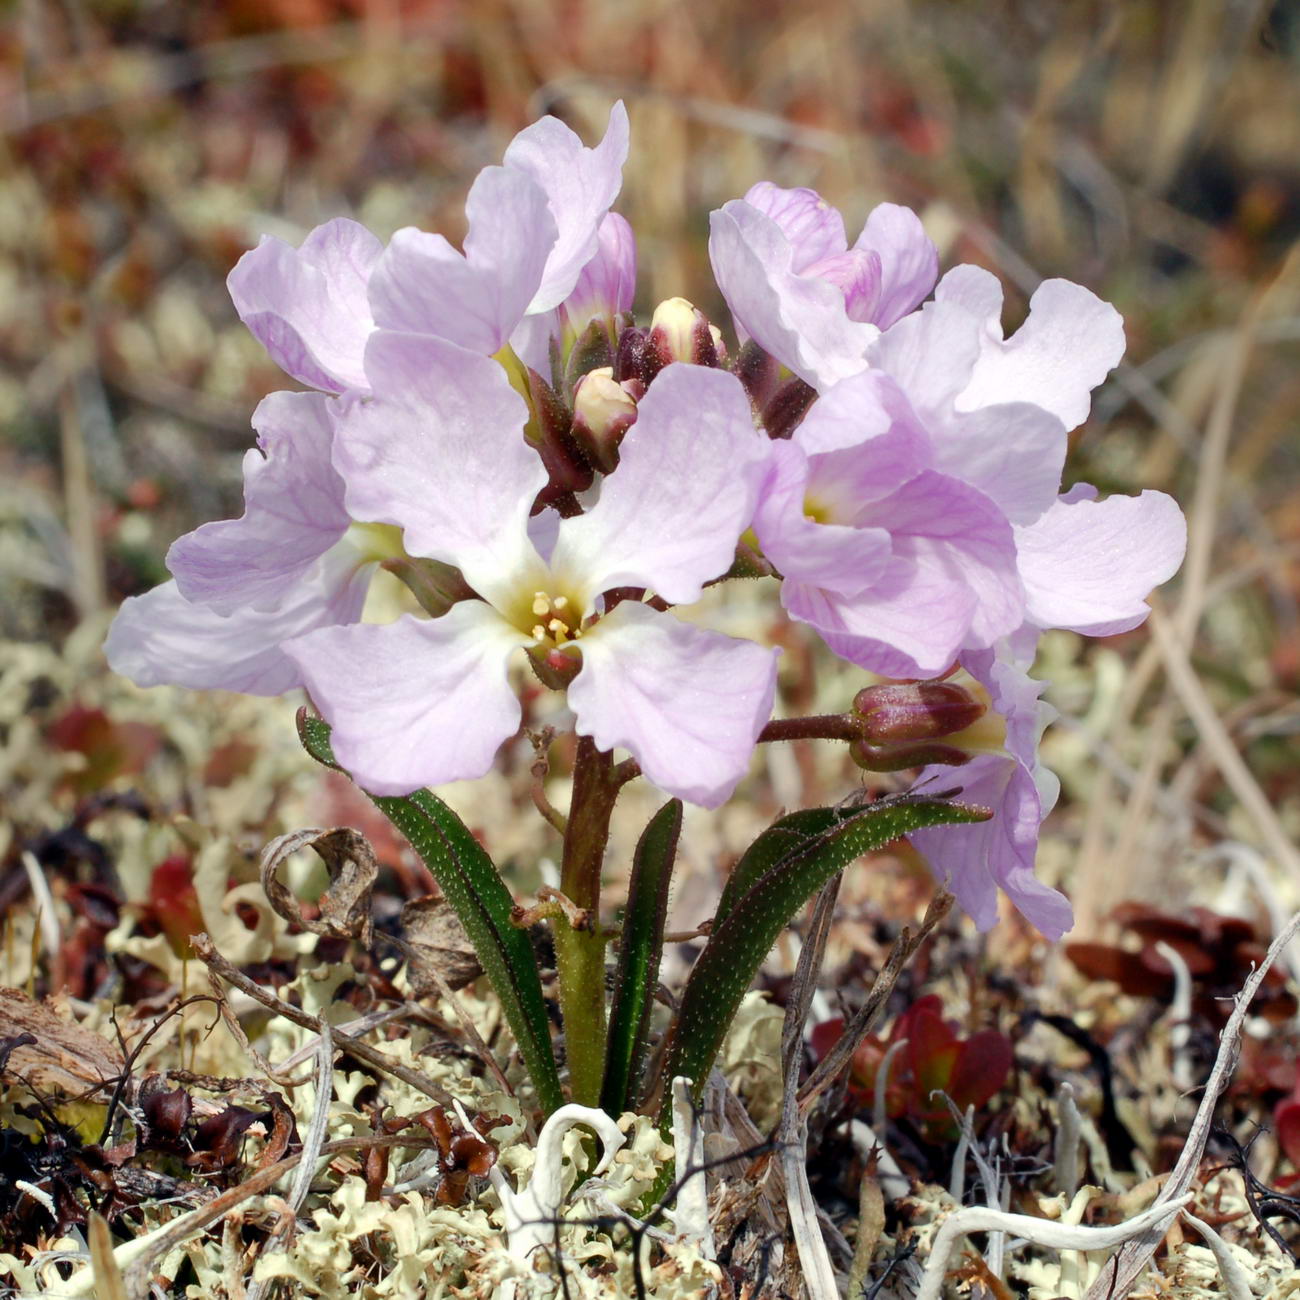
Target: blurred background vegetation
1149 150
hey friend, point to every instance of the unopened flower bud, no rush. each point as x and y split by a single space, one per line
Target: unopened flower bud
603 411
550 430
906 712
785 409
634 358
898 758
679 331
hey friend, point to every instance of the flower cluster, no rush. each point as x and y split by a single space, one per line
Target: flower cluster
547 476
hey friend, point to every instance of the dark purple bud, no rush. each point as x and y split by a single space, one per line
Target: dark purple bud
634 358
905 712
550 430
759 372
785 409
897 758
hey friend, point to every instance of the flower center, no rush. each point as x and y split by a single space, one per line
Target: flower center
557 620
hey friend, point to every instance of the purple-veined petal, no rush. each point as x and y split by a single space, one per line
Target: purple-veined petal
814 228
856 274
293 512
975 860
909 261
442 455
834 556
422 285
688 476
799 320
580 184
417 702
687 702
1089 565
307 306
160 638
951 582
1069 343
607 284
868 408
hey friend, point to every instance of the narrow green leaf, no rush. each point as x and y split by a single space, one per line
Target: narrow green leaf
469 881
738 945
640 949
778 841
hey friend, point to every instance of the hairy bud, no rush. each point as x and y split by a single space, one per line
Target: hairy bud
906 712
679 331
603 411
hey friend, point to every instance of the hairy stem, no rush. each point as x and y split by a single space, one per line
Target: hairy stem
825 726
580 954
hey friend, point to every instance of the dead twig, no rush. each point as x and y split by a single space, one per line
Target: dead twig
864 1021
357 1047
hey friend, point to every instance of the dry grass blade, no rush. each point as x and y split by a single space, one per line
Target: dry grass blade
864 1021
792 1134
109 1284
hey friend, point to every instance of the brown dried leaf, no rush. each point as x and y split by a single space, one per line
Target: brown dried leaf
54 1054
345 905
437 942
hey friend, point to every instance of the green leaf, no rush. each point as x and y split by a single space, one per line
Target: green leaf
470 883
640 949
775 886
780 839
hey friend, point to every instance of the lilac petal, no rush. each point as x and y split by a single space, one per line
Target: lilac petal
416 702
533 339
868 408
974 860
579 183
931 355
909 260
951 583
1069 343
687 481
856 274
307 306
800 320
838 558
975 290
607 284
293 513
422 285
687 702
1089 565
442 455
1013 453
814 228
160 638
